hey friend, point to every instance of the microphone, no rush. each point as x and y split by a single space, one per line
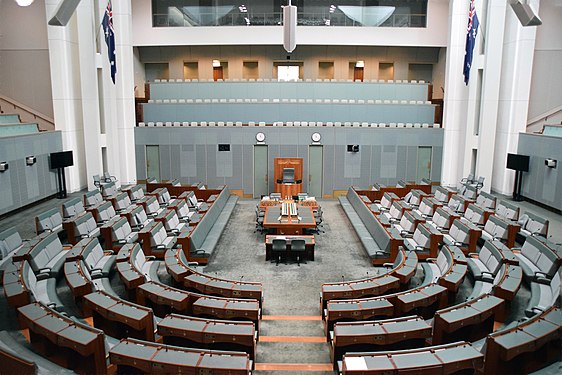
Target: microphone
241 277
342 278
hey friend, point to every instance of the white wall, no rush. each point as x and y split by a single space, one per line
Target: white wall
24 56
435 35
546 83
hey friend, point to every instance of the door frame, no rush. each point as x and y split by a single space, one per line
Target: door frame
418 160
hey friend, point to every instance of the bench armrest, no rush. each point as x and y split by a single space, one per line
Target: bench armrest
43 275
150 257
487 277
108 252
388 265
542 280
473 255
96 273
192 264
432 260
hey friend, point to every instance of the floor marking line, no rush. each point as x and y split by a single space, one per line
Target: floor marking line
294 367
291 317
321 339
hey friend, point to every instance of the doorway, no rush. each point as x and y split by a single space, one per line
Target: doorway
261 181
424 162
315 169
153 162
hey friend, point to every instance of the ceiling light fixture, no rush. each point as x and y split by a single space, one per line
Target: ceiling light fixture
24 3
216 63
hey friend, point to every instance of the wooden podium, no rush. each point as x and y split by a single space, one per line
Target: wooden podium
287 189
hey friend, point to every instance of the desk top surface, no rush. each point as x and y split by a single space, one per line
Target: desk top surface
273 213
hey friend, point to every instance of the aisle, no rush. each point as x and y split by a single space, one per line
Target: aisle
292 339
293 344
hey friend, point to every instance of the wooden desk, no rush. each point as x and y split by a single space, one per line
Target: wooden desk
208 333
76 346
225 288
473 319
76 280
229 309
291 224
458 357
431 294
371 287
153 358
366 309
379 335
119 318
288 190
309 244
526 347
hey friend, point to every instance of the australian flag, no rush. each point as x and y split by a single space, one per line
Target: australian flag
110 38
471 33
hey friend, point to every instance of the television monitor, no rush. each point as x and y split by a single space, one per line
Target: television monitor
61 159
518 162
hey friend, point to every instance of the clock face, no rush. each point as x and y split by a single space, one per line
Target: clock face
260 137
316 137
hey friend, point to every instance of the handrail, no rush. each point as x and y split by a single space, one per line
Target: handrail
26 113
543 116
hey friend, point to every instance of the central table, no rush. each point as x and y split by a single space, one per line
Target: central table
289 224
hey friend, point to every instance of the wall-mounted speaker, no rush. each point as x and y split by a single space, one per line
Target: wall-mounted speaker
289 27
3 166
64 12
525 14
30 160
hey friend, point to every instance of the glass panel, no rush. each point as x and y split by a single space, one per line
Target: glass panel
387 13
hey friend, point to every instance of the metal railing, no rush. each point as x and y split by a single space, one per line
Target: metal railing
26 114
276 19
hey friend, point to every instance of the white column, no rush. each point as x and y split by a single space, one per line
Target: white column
87 29
66 92
76 99
456 95
490 90
120 98
518 52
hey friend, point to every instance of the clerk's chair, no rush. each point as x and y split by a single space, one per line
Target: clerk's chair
288 175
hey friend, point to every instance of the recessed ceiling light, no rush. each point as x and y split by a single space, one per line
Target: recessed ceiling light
24 3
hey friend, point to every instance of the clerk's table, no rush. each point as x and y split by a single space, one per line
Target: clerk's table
289 224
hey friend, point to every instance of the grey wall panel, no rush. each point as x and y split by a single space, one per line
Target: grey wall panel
165 162
412 163
140 157
236 158
247 168
197 148
401 162
21 185
271 112
436 163
289 90
365 169
376 152
541 183
329 168
188 165
201 163
175 159
388 162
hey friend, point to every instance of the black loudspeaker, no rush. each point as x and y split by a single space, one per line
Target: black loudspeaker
64 12
525 14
